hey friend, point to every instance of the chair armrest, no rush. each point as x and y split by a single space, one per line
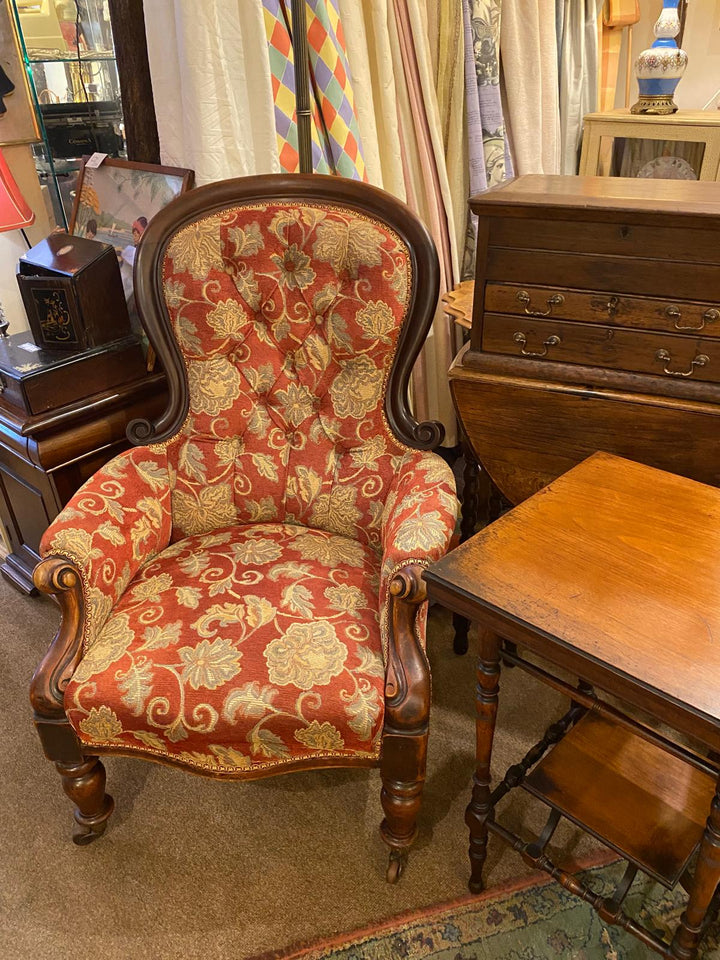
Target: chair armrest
111 527
417 526
420 513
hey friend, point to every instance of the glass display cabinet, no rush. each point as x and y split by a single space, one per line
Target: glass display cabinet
680 146
70 58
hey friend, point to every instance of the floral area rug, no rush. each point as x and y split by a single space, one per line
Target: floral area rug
529 921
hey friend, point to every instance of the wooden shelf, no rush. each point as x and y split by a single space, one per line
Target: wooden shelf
633 796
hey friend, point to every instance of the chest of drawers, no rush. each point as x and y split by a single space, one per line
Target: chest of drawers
595 326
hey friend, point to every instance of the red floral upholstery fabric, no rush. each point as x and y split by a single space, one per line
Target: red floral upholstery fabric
287 318
118 520
215 657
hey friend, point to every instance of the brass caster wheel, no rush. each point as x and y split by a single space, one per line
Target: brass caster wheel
396 866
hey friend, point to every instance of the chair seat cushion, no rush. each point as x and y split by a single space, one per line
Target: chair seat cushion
245 649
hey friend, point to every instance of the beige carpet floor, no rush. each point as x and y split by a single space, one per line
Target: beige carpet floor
193 868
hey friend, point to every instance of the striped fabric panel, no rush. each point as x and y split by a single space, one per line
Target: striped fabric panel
336 136
282 66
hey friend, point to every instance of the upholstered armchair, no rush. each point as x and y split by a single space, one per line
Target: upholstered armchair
241 595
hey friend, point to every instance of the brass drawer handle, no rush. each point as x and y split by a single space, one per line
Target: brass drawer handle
662 356
551 341
556 300
675 313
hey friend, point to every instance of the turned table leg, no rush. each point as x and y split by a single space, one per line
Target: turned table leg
705 882
486 702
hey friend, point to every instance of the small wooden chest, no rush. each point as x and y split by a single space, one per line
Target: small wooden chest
596 326
33 380
73 293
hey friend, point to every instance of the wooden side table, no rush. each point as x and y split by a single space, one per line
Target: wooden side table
611 574
45 458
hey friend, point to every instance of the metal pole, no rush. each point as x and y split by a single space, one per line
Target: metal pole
302 85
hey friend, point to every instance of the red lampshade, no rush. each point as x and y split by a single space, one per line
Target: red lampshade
14 211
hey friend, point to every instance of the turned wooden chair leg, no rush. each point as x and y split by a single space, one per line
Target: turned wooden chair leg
407 712
401 800
84 784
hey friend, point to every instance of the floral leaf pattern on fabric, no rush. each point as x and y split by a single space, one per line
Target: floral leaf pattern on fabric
245 679
134 491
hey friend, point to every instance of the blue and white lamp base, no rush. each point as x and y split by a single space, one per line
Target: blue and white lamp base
660 67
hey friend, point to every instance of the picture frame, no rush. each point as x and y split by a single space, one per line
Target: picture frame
19 123
114 203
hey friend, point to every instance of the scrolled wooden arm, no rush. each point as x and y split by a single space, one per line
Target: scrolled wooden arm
407 681
61 579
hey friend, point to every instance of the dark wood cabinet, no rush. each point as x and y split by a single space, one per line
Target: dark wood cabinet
45 457
595 326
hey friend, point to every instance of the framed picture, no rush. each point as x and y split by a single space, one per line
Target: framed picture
18 122
115 202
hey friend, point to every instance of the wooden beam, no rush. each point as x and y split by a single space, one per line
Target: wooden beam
128 26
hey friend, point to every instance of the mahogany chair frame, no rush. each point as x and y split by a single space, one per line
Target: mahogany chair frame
407 684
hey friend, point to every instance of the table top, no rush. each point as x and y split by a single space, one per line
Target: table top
694 118
616 561
648 201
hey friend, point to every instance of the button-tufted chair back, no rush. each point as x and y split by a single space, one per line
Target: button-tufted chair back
287 314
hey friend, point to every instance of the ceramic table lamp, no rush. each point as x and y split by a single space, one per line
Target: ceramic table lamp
660 67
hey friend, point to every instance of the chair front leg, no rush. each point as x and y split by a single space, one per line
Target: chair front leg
83 777
407 713
84 784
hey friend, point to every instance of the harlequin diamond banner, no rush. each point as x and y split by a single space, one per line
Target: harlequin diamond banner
336 137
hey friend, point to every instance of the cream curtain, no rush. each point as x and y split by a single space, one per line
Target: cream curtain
211 86
367 39
528 45
579 42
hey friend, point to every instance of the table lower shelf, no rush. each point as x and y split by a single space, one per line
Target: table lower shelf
631 794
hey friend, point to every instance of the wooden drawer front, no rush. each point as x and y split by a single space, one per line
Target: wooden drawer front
608 309
624 239
598 346
673 280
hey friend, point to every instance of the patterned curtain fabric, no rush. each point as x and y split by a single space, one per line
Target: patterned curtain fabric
282 69
336 136
489 160
486 123
528 43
